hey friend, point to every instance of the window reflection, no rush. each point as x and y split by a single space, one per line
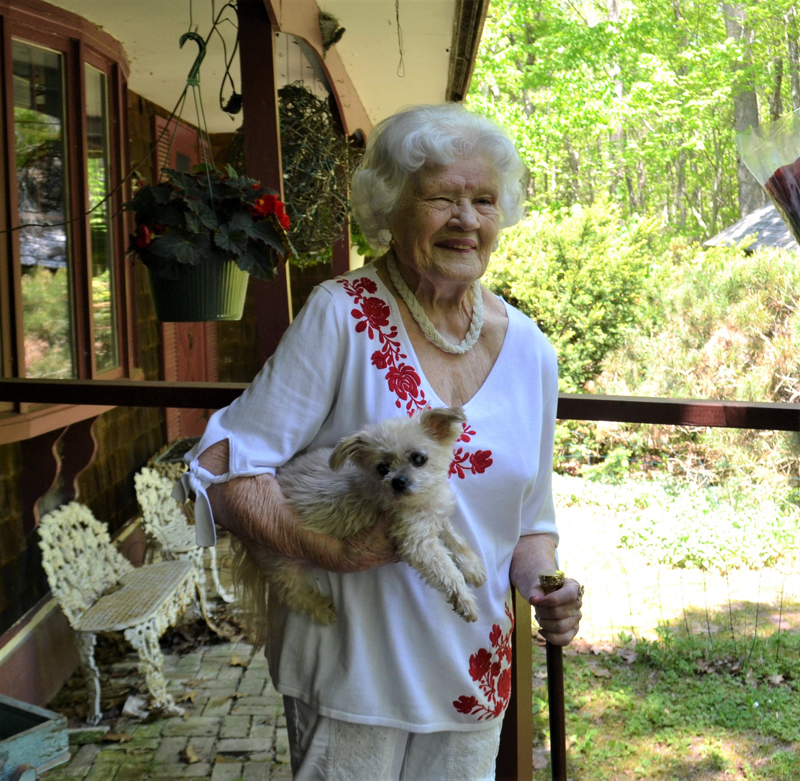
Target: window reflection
42 194
104 307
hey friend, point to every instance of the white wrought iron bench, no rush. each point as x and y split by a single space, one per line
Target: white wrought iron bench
99 590
168 531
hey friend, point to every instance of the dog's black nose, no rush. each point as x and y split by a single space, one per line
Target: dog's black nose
399 484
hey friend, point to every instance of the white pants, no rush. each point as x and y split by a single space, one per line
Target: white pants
325 749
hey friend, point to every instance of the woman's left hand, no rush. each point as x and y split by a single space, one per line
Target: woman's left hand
559 613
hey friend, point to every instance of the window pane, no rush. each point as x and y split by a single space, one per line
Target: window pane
104 304
41 182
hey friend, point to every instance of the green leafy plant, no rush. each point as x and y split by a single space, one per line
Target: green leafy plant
209 217
583 275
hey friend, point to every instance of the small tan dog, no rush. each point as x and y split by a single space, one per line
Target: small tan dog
397 468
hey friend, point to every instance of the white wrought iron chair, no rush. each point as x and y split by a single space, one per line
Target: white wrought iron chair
168 532
99 590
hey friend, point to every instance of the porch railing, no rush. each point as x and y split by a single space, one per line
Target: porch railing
515 760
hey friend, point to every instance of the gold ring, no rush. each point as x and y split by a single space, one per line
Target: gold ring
580 592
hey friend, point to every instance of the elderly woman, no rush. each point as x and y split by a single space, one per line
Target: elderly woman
400 686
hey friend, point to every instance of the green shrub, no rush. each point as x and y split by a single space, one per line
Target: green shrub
585 278
727 330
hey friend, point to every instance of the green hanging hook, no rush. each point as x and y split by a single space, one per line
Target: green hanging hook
194 74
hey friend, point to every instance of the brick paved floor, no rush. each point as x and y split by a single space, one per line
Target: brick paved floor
233 729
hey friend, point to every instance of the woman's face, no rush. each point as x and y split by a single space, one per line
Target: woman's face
448 219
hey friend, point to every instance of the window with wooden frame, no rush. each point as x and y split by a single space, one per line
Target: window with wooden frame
65 291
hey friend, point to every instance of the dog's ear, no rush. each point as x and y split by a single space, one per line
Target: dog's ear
349 449
443 423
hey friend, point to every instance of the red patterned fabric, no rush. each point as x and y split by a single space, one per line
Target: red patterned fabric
403 379
491 670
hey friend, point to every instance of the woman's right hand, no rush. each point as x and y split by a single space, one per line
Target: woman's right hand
254 509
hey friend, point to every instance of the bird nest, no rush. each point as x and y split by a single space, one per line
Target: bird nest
318 163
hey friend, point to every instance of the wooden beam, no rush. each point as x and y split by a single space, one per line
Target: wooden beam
262 153
680 412
213 395
515 757
301 19
468 21
125 393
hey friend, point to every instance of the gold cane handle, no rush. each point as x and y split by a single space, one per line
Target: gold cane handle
550 582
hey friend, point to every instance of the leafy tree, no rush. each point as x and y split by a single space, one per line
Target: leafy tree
639 107
583 276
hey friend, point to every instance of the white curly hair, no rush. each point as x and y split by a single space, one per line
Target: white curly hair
403 143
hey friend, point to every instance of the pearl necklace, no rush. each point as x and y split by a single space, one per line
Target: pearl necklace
427 327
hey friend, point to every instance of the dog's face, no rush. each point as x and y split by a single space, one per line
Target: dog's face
405 458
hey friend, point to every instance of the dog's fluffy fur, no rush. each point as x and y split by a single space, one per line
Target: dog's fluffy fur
398 468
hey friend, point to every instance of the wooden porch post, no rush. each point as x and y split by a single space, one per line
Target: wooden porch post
515 760
262 153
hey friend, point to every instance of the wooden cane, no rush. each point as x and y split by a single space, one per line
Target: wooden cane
550 582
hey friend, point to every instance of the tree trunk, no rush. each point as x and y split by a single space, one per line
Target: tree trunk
794 61
617 140
775 101
745 110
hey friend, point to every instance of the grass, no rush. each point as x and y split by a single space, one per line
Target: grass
681 708
678 673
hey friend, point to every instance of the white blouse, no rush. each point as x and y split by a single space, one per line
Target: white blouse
398 655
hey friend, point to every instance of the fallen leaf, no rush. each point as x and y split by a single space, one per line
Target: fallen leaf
239 695
196 681
237 661
187 697
189 755
627 654
775 680
117 737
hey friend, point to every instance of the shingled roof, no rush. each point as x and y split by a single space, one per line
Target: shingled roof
767 225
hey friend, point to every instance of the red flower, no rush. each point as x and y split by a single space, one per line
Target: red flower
486 668
367 285
481 460
143 237
379 360
403 381
479 664
376 312
264 205
285 222
504 685
465 704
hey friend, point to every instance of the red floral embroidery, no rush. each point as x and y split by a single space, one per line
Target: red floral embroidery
372 314
463 461
404 381
491 670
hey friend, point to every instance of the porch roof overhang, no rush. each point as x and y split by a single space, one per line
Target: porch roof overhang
439 42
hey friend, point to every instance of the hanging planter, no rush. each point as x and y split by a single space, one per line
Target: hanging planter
200 235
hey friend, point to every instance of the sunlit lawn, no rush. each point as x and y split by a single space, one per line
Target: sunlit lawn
678 674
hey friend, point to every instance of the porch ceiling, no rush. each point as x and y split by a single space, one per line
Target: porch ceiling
149 31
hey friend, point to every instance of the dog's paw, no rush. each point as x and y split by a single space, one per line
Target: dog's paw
322 611
466 606
474 572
